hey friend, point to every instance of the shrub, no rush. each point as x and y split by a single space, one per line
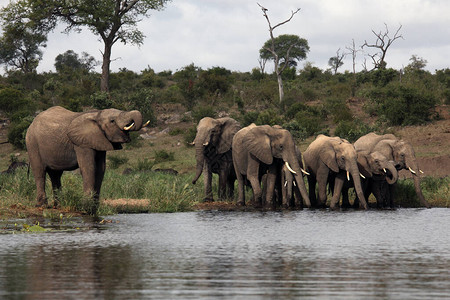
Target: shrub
17 132
101 100
269 117
403 105
163 155
201 112
116 161
144 165
352 130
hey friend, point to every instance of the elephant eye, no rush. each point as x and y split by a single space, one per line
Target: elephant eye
112 121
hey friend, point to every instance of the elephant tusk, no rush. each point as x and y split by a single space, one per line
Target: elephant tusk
412 171
192 143
289 168
294 183
421 171
126 128
362 176
348 175
146 123
285 183
206 144
304 172
384 170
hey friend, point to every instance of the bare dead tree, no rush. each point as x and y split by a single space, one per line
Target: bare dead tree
278 69
262 64
383 42
336 61
354 53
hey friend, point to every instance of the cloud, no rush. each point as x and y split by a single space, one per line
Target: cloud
229 33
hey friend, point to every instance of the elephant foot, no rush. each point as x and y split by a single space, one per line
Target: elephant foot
240 203
208 199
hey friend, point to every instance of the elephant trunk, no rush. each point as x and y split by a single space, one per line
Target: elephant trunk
394 174
412 166
130 121
200 158
293 165
354 171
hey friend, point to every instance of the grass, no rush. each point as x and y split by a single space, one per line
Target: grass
143 190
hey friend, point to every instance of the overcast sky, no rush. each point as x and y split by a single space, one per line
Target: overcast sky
229 33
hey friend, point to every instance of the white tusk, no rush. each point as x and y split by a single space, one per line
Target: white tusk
285 183
192 143
146 123
206 144
421 171
294 183
348 176
126 128
412 171
364 177
289 168
384 170
304 172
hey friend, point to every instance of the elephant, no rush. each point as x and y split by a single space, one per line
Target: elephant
400 152
331 156
374 168
213 154
61 140
256 150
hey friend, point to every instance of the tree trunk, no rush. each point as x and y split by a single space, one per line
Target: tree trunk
104 81
280 86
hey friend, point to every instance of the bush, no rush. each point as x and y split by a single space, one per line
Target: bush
144 165
17 132
163 155
101 100
115 161
269 117
201 112
352 130
403 105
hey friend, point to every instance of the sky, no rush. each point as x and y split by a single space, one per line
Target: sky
229 34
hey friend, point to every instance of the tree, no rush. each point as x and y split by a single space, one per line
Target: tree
280 49
21 41
383 42
112 20
336 61
70 61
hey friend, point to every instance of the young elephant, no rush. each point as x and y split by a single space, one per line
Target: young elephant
375 168
60 140
398 151
331 156
213 154
255 150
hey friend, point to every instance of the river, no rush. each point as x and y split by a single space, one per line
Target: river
309 254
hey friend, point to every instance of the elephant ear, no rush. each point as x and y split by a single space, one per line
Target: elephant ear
85 132
364 165
257 142
229 129
328 156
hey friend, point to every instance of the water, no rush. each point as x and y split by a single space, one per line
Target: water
401 254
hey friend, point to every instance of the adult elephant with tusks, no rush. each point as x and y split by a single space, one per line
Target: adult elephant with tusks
255 152
213 154
397 150
330 156
60 140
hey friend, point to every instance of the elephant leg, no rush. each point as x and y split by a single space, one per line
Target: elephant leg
312 191
230 184
86 162
241 189
39 174
391 189
271 177
207 180
100 168
345 200
322 186
338 184
377 192
55 178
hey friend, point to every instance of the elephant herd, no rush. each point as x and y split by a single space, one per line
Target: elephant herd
267 159
263 157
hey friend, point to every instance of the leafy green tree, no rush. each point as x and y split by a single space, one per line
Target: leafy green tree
21 41
69 61
284 50
112 20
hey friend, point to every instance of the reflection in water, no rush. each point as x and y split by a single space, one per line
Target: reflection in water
318 254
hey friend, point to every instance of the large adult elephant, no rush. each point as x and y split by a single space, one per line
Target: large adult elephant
331 156
213 154
255 152
374 168
59 140
399 151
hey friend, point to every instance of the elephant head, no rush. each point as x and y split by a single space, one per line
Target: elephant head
376 164
104 130
266 143
214 136
404 157
335 154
